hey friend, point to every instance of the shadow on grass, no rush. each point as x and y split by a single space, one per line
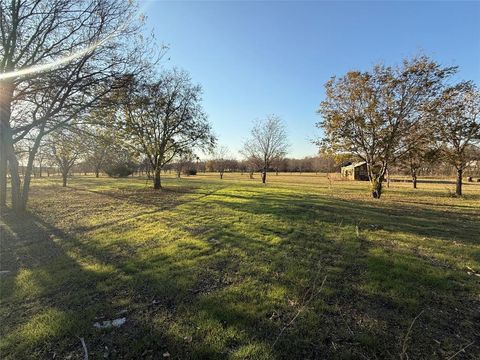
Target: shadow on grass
50 298
163 198
387 284
221 292
448 225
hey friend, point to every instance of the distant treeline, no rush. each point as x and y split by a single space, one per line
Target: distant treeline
308 164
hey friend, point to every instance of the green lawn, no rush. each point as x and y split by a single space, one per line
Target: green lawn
301 268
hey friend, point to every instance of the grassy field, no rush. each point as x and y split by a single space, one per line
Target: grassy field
301 268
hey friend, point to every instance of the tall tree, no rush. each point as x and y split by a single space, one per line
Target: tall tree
368 113
266 144
57 59
457 111
164 119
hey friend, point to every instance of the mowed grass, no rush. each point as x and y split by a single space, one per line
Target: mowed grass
301 268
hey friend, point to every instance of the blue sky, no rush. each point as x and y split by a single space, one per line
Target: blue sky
259 58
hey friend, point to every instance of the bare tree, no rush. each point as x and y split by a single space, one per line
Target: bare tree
368 113
267 143
277 163
421 148
232 164
58 58
40 160
165 119
220 160
457 112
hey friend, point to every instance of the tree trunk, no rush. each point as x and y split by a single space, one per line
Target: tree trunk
376 174
414 178
6 95
377 188
458 187
3 171
14 178
264 176
157 183
27 178
28 171
64 178
97 173
221 175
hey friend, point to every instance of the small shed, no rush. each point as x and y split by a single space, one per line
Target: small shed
355 171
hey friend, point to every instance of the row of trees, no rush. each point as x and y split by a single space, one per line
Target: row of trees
73 148
78 79
95 155
228 163
408 114
58 60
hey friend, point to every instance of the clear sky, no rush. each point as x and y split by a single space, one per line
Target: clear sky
259 58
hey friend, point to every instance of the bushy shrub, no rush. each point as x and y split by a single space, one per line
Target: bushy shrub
190 172
119 170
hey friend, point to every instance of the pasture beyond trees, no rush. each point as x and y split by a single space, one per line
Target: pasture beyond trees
303 267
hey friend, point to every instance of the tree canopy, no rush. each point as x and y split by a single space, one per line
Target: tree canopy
368 113
267 143
164 119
